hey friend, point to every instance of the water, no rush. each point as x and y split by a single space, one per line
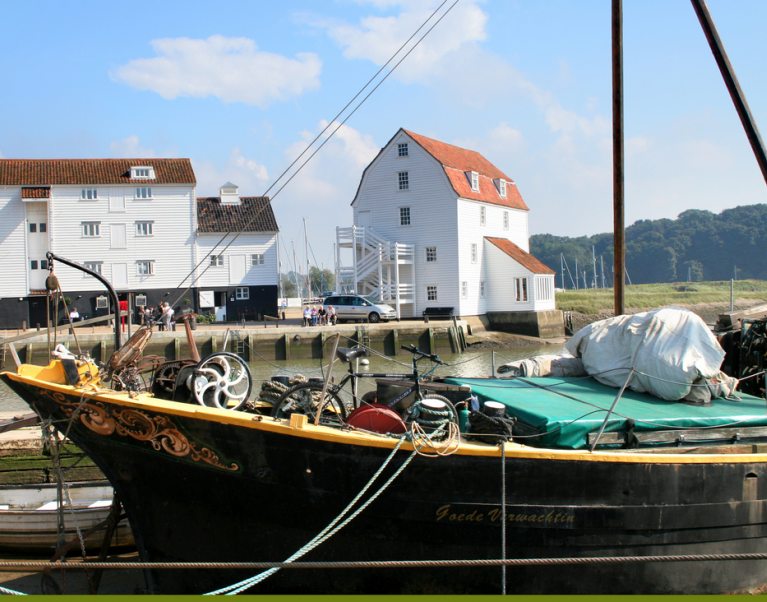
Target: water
470 363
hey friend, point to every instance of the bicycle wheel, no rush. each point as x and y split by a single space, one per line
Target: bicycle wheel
304 398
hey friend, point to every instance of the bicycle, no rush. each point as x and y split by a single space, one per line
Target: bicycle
305 398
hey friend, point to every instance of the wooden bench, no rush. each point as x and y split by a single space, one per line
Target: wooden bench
437 312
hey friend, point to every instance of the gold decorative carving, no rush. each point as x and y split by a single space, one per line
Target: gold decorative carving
159 431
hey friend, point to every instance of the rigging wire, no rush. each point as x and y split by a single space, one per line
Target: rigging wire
329 137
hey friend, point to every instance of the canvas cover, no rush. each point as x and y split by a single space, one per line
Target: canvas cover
669 349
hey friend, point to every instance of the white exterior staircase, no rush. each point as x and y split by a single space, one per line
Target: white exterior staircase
377 267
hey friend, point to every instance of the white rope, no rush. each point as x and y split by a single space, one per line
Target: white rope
11 592
331 529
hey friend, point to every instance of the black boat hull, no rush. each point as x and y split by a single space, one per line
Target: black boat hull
200 489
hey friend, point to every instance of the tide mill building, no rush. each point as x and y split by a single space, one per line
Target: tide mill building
138 223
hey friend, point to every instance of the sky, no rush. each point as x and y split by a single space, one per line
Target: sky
242 87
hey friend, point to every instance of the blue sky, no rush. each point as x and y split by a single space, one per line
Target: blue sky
240 87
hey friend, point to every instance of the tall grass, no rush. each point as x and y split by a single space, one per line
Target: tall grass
641 297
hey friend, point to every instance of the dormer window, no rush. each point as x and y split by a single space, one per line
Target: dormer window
142 172
474 178
501 183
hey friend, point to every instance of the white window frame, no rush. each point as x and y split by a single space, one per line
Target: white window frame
95 266
403 180
140 301
404 216
90 229
89 194
502 188
256 259
505 220
242 293
102 302
402 149
474 252
431 254
474 181
431 292
142 172
144 228
464 289
216 260
143 193
520 289
482 216
144 267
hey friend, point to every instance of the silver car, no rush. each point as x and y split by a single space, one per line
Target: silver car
357 307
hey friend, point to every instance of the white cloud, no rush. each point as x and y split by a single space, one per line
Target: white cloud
231 69
251 176
377 38
131 147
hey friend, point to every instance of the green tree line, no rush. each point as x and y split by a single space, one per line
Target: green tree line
294 284
697 245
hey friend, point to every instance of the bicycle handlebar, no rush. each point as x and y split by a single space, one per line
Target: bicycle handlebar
415 351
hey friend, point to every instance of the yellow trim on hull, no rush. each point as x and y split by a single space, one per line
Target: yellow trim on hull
28 374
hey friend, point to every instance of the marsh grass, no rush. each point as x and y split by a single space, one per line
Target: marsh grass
646 296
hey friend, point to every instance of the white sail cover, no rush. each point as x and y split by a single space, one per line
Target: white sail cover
670 348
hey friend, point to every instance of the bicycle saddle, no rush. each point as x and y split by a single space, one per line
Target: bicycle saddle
346 354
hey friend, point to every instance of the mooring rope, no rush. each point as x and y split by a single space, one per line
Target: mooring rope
11 592
331 529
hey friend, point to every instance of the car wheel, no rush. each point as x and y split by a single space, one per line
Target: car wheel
374 317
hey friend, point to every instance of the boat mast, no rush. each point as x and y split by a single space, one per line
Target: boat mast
731 81
619 242
306 254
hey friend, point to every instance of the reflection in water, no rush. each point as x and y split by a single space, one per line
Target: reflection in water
470 363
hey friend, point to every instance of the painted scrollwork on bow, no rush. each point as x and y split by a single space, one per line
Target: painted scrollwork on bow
159 431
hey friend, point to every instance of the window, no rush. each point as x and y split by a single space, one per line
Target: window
144 228
43 227
216 260
33 227
89 194
431 254
144 267
33 264
431 292
257 259
474 181
91 229
93 266
404 216
242 293
502 187
402 149
464 289
142 172
482 216
43 264
404 182
505 220
143 192
482 289
474 252
520 289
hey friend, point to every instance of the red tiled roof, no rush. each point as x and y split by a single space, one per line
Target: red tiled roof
523 258
49 172
456 161
36 192
253 214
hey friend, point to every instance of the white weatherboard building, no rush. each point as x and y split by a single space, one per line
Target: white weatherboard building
135 221
436 225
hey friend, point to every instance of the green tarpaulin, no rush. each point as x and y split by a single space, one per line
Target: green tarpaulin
560 412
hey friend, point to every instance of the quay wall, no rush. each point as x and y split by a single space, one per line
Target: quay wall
259 342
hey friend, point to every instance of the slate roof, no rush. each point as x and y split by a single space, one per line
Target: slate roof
253 214
456 161
36 192
523 258
49 172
